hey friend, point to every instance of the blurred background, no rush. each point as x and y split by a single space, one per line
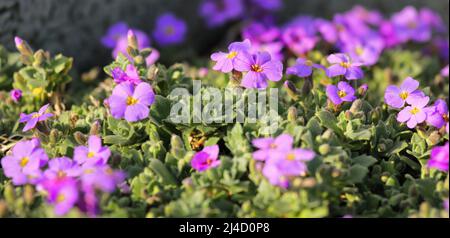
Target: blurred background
75 27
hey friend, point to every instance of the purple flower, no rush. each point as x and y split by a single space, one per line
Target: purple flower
298 41
219 12
16 95
432 19
18 41
444 71
94 153
225 61
100 177
368 53
285 164
408 26
342 65
33 118
275 49
342 93
437 115
24 163
270 5
62 193
266 145
131 103
114 33
327 30
362 14
131 75
439 158
260 32
206 158
396 97
169 30
62 167
259 68
414 114
303 68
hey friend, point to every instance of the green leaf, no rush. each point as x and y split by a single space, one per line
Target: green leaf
357 173
328 120
364 160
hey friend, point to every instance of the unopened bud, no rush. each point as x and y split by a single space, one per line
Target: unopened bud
3 208
39 57
23 47
236 78
9 193
54 136
80 138
363 89
292 114
132 40
291 90
28 194
177 147
356 106
324 149
95 128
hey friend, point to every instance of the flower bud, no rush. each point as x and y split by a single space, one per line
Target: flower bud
307 86
363 89
23 47
16 95
3 209
236 78
95 128
39 57
80 138
9 193
54 136
292 114
356 106
291 90
28 194
132 40
177 147
324 149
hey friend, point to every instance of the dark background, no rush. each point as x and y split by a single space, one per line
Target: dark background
74 27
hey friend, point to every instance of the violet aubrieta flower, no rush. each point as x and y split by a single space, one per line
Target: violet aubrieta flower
269 5
131 75
342 65
62 193
206 158
94 153
24 163
285 164
408 26
439 158
33 118
327 30
169 30
16 95
438 115
259 67
275 49
397 96
303 68
283 142
219 12
367 53
131 102
225 61
62 167
298 40
101 177
444 71
260 32
414 114
114 33
343 92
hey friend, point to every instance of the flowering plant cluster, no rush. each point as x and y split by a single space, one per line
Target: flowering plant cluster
357 122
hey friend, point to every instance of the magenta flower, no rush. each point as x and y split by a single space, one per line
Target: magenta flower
298 41
94 153
114 33
327 30
131 103
169 30
62 193
18 41
24 163
408 92
343 92
261 32
409 26
342 65
283 142
100 177
219 12
437 115
303 68
33 118
285 164
225 61
367 53
131 75
62 167
16 95
206 158
414 114
439 158
275 49
259 68
444 71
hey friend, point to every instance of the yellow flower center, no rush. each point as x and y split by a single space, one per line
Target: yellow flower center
61 174
90 154
290 156
232 54
131 101
345 64
60 198
308 63
359 50
342 93
273 146
88 171
35 115
415 110
257 68
37 91
170 30
24 161
209 161
404 95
